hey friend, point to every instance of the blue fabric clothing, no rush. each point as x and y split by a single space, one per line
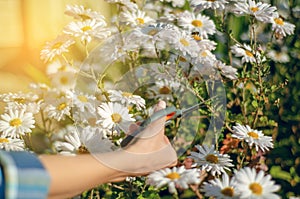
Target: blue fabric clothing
22 176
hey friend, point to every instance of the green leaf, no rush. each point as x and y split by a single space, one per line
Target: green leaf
254 103
277 172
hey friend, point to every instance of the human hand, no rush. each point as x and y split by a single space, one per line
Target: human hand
149 151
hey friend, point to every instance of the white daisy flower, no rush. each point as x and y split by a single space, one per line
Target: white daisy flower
53 94
30 102
208 4
78 142
152 30
87 30
11 144
128 4
84 102
152 35
99 141
118 46
56 47
165 89
114 49
226 70
39 88
135 18
204 44
183 42
15 123
279 56
176 3
84 118
245 52
220 188
176 177
252 137
59 108
281 27
64 80
82 13
203 64
211 160
58 66
114 115
127 98
205 57
168 15
197 23
252 185
261 11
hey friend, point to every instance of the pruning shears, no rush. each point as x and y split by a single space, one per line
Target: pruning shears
169 113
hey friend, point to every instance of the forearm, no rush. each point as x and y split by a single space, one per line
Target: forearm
71 175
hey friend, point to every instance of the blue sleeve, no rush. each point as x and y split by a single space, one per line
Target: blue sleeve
22 176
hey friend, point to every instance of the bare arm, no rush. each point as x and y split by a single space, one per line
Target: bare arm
71 175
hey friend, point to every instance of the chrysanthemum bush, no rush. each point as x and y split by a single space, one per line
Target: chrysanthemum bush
105 74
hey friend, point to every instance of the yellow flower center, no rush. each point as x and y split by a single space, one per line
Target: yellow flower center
116 117
228 191
127 94
19 100
82 98
197 37
184 42
248 53
173 175
254 9
197 23
211 0
84 17
164 90
279 21
86 28
57 45
140 20
256 188
152 32
182 59
4 140
62 106
15 122
62 68
203 54
83 150
64 80
253 135
211 158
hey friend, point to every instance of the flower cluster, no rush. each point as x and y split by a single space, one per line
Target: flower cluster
246 183
71 119
171 50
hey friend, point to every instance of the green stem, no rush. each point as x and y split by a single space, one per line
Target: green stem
260 96
175 196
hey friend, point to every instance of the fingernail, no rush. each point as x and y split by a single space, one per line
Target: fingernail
161 104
